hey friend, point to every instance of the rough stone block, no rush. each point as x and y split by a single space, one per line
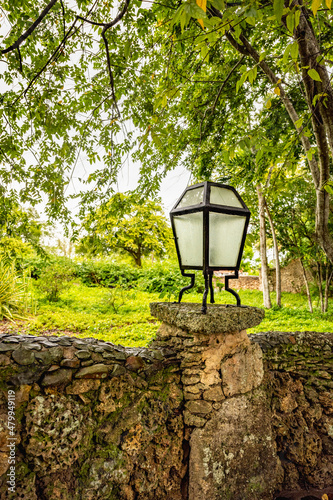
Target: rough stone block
234 454
242 372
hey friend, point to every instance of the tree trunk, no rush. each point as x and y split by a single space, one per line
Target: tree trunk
321 113
329 275
263 249
320 285
306 282
277 257
137 259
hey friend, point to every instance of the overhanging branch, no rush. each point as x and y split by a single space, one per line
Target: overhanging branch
30 30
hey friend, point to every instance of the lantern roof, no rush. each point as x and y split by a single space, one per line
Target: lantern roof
215 196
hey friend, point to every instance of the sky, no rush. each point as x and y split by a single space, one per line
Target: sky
171 188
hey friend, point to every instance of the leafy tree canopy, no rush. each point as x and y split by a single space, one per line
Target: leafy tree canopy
192 76
128 223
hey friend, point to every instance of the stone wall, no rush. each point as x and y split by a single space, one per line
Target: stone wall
93 420
205 412
299 382
291 279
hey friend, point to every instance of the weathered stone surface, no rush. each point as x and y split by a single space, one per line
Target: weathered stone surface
301 405
70 363
219 318
132 422
44 357
58 377
83 354
23 356
242 372
199 407
57 429
214 394
234 454
94 371
193 420
134 363
22 395
4 360
8 347
82 386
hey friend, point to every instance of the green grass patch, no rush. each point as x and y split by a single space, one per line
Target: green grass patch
123 316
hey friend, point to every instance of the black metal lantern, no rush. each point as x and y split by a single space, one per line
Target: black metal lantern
209 223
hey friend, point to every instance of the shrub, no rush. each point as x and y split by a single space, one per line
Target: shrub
164 278
15 297
54 279
107 274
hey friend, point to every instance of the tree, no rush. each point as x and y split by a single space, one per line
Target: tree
285 54
128 223
201 65
20 230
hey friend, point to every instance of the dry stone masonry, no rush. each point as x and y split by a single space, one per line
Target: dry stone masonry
233 453
299 384
206 412
93 420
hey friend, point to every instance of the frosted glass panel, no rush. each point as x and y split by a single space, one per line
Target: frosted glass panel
189 231
192 197
225 238
223 196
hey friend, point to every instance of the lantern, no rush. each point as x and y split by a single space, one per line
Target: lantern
209 223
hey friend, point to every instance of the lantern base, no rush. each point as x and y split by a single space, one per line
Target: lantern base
208 276
188 287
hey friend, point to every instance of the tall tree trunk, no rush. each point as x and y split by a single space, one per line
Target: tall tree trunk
321 114
277 257
320 285
263 249
329 275
306 282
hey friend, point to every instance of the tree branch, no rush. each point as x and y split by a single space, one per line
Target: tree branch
30 30
112 23
110 71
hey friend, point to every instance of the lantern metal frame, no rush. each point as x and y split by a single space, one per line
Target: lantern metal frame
207 207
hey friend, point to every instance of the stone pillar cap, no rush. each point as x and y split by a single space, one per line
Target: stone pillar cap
219 318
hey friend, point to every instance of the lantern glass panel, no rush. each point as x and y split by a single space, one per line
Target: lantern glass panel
225 239
189 232
223 196
192 197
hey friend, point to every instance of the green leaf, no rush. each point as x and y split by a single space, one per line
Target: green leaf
294 50
328 188
219 4
286 54
127 48
299 122
278 9
252 74
314 75
241 81
291 22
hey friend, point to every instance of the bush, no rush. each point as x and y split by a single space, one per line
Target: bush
164 278
108 274
54 279
167 280
15 297
34 265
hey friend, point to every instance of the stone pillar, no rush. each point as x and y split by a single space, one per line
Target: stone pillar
232 451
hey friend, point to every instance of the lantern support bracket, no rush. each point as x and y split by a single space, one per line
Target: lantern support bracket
188 287
227 289
212 301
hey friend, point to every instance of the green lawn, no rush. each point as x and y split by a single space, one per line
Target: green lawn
124 317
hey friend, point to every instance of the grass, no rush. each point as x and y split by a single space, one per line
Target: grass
123 317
